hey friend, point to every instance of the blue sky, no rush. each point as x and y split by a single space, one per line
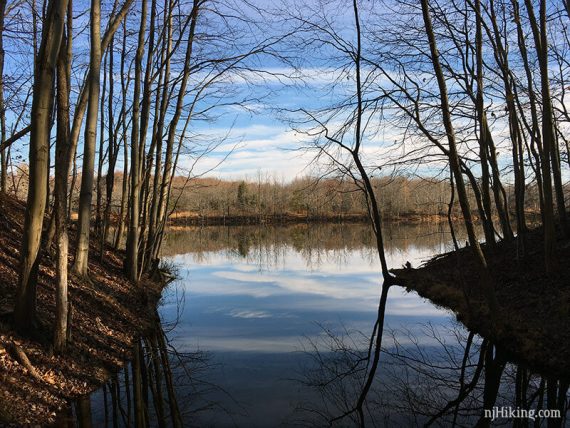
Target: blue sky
249 134
250 131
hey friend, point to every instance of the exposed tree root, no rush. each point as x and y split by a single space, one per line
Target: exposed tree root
20 356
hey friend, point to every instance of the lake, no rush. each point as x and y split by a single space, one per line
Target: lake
270 326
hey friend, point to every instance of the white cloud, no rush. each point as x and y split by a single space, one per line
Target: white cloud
247 314
274 153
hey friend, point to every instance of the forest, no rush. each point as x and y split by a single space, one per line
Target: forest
207 200
117 131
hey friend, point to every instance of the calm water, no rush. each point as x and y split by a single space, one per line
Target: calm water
264 322
255 298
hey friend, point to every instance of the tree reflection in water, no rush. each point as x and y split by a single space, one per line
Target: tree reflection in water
267 246
160 387
444 377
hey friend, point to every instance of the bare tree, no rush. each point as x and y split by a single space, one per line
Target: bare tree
132 257
486 280
87 173
62 161
25 310
3 157
550 161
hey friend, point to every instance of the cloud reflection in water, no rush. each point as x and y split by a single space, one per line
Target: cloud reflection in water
255 309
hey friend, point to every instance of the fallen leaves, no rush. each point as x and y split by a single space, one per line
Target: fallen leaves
108 314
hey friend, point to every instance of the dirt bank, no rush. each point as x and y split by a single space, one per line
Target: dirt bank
107 316
534 307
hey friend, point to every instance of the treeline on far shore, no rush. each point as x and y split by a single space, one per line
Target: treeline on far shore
214 201
209 201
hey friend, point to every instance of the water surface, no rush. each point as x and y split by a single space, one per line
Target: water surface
257 298
271 326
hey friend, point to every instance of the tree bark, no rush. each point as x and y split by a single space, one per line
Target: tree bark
132 259
102 154
168 161
125 182
3 157
62 160
483 131
113 151
540 40
25 309
87 173
486 280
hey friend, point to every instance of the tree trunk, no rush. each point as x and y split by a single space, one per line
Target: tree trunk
25 309
87 172
113 151
153 220
132 259
3 157
102 154
483 133
168 161
60 189
124 186
145 120
486 280
139 407
540 39
502 59
82 100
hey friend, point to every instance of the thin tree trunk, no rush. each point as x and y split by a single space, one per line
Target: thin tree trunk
450 211
84 414
72 185
483 132
540 39
87 172
113 151
137 387
485 279
168 164
533 128
156 383
3 154
102 154
60 189
494 367
153 221
172 401
145 119
514 124
128 396
115 401
131 259
83 97
125 182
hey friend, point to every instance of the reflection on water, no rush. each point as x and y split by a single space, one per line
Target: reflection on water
160 387
448 383
309 240
285 315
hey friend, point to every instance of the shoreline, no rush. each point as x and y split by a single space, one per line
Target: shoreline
193 219
112 313
533 305
288 218
109 315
